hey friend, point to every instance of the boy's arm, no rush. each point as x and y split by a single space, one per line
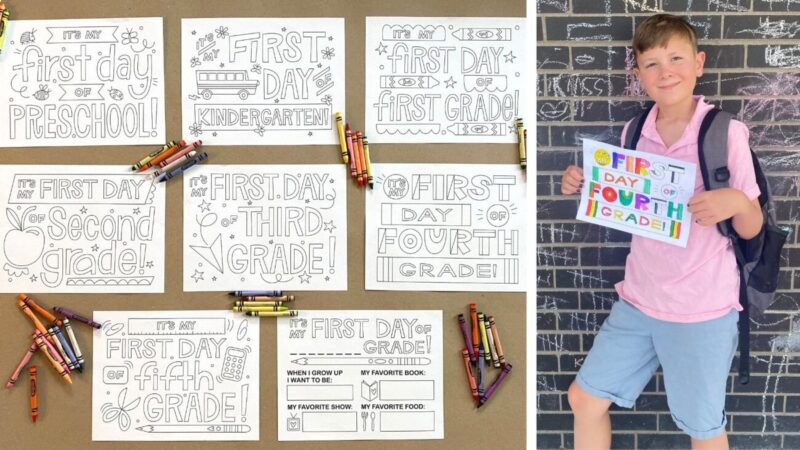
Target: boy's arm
711 207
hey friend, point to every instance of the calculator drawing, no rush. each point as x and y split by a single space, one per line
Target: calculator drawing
233 364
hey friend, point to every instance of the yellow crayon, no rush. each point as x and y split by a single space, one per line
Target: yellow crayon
244 303
342 141
291 313
523 158
482 326
246 308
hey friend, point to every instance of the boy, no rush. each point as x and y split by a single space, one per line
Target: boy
678 306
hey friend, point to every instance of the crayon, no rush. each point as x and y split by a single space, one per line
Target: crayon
75 316
163 155
342 142
264 298
175 156
496 335
369 179
349 138
34 395
38 308
362 176
69 355
481 373
172 166
73 342
291 313
495 385
246 308
467 339
249 293
4 16
152 155
63 354
56 355
484 340
490 338
473 312
246 303
24 362
27 311
356 151
523 158
40 343
465 354
184 167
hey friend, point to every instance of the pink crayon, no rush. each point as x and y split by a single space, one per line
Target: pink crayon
53 352
180 153
25 360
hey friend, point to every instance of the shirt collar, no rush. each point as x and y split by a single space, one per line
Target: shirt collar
689 135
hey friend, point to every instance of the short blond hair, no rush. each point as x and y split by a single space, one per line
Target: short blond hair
657 30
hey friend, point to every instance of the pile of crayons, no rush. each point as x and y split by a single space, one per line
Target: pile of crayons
482 350
355 152
56 341
263 303
4 15
522 138
171 160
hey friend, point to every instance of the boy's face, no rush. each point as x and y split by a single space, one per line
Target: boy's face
668 74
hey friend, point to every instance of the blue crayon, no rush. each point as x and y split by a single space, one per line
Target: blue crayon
184 168
67 348
255 293
481 375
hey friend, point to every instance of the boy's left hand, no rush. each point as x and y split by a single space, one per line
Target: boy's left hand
712 207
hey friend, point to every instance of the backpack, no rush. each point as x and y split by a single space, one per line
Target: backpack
758 258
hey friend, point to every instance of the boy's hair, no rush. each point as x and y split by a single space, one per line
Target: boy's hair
656 30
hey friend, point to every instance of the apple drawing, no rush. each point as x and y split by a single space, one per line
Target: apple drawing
22 246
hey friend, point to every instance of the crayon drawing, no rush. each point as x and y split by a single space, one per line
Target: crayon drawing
446 228
360 375
83 82
175 376
265 227
637 192
259 81
80 229
446 79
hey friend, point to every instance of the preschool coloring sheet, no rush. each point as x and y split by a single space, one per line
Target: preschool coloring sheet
259 81
79 228
637 192
251 227
82 82
354 375
446 227
444 79
175 376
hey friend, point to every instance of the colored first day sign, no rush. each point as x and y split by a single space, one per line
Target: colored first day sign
636 192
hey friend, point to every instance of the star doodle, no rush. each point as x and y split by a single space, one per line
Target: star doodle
304 278
450 82
510 57
205 206
310 133
308 200
249 202
197 276
329 226
214 278
149 264
233 236
283 29
381 48
327 278
221 65
137 211
95 247
194 32
319 66
83 210
33 278
330 38
214 134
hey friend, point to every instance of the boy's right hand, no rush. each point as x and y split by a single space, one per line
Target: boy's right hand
572 180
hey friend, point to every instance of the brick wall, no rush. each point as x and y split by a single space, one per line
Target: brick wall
584 90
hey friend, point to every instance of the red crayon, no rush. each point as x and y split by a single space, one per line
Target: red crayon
473 312
358 160
470 379
349 140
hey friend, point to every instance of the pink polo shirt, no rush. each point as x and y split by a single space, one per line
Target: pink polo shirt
699 282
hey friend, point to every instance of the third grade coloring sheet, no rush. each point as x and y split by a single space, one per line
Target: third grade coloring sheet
444 79
82 82
259 81
265 227
446 227
353 375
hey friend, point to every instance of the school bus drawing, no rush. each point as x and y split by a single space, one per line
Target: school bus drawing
225 82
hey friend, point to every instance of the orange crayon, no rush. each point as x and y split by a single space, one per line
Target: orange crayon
38 324
163 155
473 313
362 175
471 379
34 395
39 339
356 151
48 316
180 153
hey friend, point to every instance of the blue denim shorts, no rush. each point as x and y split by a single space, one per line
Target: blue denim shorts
695 359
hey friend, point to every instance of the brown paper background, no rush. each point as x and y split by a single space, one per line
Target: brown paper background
65 415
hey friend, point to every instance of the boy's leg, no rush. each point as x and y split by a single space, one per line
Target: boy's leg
718 442
591 420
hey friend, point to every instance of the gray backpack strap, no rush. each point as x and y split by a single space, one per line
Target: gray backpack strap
634 131
712 148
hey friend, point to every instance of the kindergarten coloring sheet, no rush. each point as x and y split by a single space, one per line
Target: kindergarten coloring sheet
354 375
637 192
446 227
82 82
259 81
74 228
265 226
175 376
444 79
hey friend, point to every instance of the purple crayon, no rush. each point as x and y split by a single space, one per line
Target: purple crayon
75 316
255 293
467 338
495 385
